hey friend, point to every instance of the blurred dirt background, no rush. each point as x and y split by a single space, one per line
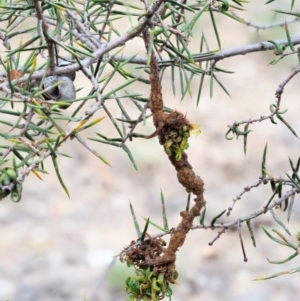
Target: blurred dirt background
55 248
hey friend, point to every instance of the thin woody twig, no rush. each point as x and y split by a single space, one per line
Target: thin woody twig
79 36
50 44
247 189
254 214
4 39
217 237
278 95
220 55
185 174
226 53
267 26
103 48
225 226
94 82
133 126
110 6
96 43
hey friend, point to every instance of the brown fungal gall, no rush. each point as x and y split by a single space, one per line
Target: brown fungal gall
175 132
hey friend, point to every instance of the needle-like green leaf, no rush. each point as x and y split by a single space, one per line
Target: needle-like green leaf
136 224
215 27
248 222
279 241
292 271
285 260
288 36
290 209
164 214
54 161
276 218
216 218
143 235
263 163
127 150
202 216
287 124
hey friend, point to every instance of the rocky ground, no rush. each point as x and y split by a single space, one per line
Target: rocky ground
55 248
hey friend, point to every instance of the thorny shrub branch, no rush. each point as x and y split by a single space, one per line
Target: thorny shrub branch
55 70
274 108
106 47
268 26
164 262
263 180
103 49
225 226
219 55
44 27
268 207
61 25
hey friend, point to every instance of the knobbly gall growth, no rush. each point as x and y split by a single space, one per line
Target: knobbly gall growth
147 285
176 140
150 282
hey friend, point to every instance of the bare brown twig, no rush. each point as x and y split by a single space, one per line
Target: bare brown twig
96 43
133 126
233 223
44 26
276 108
164 260
267 26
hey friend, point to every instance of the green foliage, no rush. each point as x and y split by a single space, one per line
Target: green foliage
41 110
146 285
177 140
283 241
